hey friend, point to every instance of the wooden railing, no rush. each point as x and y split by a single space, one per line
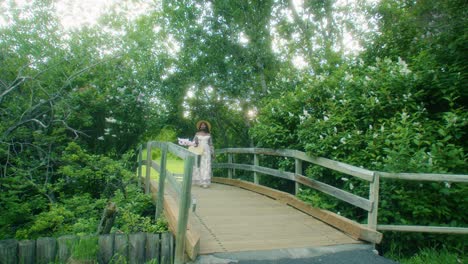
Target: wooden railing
180 187
372 177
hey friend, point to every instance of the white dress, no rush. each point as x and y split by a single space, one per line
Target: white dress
202 175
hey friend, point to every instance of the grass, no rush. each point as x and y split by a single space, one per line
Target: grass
431 256
174 165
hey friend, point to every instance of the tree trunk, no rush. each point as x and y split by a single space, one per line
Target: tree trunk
107 219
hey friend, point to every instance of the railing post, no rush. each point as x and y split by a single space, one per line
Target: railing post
149 160
140 157
230 161
161 182
298 170
256 180
184 205
374 199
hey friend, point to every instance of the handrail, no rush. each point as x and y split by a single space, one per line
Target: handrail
182 190
296 154
373 177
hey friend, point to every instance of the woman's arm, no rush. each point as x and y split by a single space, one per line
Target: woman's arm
210 143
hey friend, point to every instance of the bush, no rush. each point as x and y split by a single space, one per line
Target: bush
374 116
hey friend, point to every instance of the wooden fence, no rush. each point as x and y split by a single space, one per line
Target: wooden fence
373 177
112 248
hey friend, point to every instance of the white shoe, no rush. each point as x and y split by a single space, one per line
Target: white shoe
205 186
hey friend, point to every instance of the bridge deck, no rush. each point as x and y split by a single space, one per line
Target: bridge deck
232 219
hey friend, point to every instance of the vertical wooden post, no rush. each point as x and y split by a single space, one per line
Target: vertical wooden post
184 205
230 162
136 243
121 245
106 248
298 170
149 160
153 244
167 242
233 160
8 251
140 157
65 247
46 250
374 199
256 180
161 183
26 252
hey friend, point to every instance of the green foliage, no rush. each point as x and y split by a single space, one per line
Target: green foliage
430 256
86 249
77 215
374 116
315 199
399 107
47 223
84 184
94 174
58 87
17 213
136 212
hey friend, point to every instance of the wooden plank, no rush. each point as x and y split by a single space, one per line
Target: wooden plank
263 151
264 223
424 229
232 247
350 227
230 171
140 161
374 199
26 252
337 166
298 171
179 151
256 163
106 248
184 205
192 243
425 177
155 166
8 249
152 247
174 183
251 186
325 188
136 242
46 249
158 144
121 246
65 247
331 164
167 241
335 192
161 183
149 162
277 173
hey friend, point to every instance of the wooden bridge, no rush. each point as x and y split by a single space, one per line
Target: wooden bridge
236 215
231 218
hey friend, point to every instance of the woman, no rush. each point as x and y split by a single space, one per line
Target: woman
202 174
